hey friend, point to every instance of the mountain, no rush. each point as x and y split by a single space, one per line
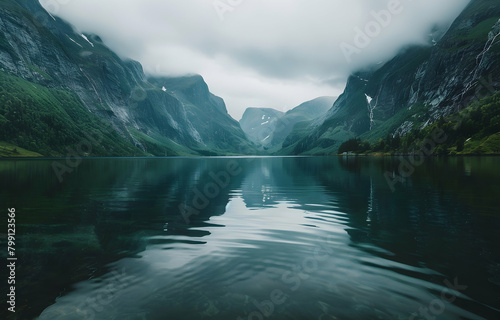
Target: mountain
207 115
415 89
270 127
65 92
260 123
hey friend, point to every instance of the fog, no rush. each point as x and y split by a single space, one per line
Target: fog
265 53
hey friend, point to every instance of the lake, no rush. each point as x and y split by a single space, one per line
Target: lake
254 238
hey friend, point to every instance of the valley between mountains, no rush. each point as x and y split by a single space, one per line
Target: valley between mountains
65 93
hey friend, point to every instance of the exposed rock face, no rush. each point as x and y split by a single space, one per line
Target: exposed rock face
270 127
146 112
304 113
416 87
260 123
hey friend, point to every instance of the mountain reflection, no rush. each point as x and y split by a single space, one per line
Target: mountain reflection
242 222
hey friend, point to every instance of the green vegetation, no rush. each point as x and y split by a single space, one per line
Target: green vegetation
345 123
354 145
417 114
160 145
48 121
12 151
40 71
473 131
477 35
479 12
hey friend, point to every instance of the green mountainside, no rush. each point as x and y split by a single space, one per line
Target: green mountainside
415 89
270 127
66 94
59 87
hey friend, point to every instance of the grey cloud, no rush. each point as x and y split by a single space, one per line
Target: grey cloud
292 46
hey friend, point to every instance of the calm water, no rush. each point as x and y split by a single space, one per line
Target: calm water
254 238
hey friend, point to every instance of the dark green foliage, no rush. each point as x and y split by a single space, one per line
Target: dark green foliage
482 15
460 144
402 93
49 121
355 146
60 87
474 130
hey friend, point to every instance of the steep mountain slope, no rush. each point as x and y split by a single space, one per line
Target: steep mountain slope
260 123
59 86
416 88
270 127
305 112
206 113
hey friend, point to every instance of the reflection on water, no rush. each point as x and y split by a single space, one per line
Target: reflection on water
256 238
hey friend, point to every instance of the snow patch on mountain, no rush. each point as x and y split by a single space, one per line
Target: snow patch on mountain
75 42
87 39
368 98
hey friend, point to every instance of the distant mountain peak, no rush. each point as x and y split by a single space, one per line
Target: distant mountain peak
269 127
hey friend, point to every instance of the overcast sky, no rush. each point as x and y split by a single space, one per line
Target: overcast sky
265 53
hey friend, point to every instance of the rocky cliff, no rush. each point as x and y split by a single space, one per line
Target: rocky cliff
260 123
43 58
270 127
417 87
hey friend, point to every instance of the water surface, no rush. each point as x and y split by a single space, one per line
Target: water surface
255 238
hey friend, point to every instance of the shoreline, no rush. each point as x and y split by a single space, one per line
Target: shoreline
257 156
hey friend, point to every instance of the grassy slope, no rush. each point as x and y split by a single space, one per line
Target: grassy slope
159 145
48 121
473 131
11 151
477 127
230 139
457 40
461 38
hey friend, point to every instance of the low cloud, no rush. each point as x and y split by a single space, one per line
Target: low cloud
275 53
